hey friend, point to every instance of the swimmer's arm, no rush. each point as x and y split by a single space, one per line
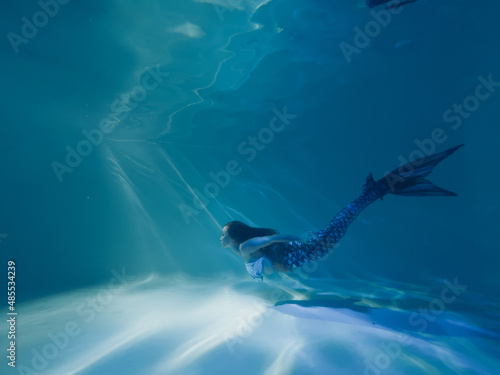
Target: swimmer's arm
254 244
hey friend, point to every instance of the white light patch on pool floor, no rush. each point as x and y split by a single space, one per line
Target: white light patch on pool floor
185 326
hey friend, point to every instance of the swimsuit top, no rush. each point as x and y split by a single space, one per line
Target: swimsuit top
255 268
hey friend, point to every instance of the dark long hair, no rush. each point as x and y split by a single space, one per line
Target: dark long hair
240 232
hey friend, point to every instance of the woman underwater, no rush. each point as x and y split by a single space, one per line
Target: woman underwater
265 251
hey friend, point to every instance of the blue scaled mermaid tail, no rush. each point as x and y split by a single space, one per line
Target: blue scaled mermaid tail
407 180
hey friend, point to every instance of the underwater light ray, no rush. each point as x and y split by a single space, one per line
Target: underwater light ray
139 166
191 190
196 348
221 326
105 349
130 190
193 320
285 360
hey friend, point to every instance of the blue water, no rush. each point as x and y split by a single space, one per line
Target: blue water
125 148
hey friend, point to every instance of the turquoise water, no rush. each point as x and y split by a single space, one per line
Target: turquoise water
133 131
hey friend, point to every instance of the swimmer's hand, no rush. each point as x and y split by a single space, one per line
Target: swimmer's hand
306 237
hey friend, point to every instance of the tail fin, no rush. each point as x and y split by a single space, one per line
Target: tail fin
409 179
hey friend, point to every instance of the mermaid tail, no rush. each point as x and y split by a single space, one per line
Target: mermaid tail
407 180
